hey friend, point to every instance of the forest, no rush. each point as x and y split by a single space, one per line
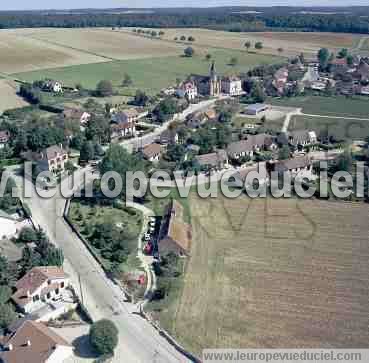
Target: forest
235 19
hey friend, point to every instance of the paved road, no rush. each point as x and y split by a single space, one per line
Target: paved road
139 341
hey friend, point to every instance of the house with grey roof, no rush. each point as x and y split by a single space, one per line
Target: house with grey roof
302 137
216 160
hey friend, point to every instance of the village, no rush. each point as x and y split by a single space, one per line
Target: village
207 124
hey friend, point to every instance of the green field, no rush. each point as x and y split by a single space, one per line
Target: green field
341 129
330 106
149 74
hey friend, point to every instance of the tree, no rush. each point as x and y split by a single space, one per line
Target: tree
153 34
104 88
233 61
161 33
7 315
189 52
127 80
27 235
350 60
343 53
208 56
248 45
259 45
141 99
183 38
104 336
280 50
87 151
165 109
257 93
191 38
302 58
5 293
175 39
323 57
284 152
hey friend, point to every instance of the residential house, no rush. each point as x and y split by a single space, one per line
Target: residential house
254 143
195 120
216 160
169 137
188 89
121 130
208 85
241 180
231 85
127 116
40 286
297 167
152 152
76 114
175 236
52 159
256 109
302 137
338 64
34 343
4 138
52 86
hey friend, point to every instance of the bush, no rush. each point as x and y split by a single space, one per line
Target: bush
104 88
104 336
189 52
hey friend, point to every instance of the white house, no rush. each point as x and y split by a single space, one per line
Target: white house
302 137
52 159
189 90
231 85
35 343
4 138
53 86
40 286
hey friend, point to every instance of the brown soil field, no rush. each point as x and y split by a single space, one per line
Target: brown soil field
292 43
21 53
8 96
106 43
273 273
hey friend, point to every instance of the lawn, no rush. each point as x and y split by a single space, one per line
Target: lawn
330 106
341 129
85 216
149 74
274 273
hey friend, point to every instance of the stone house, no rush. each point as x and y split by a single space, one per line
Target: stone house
231 85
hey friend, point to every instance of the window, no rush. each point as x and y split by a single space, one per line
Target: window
36 298
57 291
62 285
48 296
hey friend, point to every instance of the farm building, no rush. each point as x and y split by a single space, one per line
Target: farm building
175 235
256 108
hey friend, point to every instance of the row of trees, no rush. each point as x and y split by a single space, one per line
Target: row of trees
183 38
152 33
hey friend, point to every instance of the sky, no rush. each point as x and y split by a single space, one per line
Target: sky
70 4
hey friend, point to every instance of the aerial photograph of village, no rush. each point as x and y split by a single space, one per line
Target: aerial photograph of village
184 181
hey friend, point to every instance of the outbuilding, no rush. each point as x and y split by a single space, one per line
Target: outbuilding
256 108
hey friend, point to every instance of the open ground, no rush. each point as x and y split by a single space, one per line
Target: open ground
293 43
150 74
8 96
275 273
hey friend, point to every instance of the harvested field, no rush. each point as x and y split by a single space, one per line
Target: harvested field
292 43
21 53
8 96
275 273
107 43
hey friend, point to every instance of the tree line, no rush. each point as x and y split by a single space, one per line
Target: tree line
220 20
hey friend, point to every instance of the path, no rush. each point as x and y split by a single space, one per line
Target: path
287 120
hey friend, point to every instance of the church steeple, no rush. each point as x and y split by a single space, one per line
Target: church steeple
213 71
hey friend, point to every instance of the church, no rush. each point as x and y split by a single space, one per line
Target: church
208 85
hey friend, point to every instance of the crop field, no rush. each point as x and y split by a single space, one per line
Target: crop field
20 53
107 43
341 129
275 273
328 106
150 74
292 43
8 97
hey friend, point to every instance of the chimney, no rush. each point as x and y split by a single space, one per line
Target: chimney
10 347
28 343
